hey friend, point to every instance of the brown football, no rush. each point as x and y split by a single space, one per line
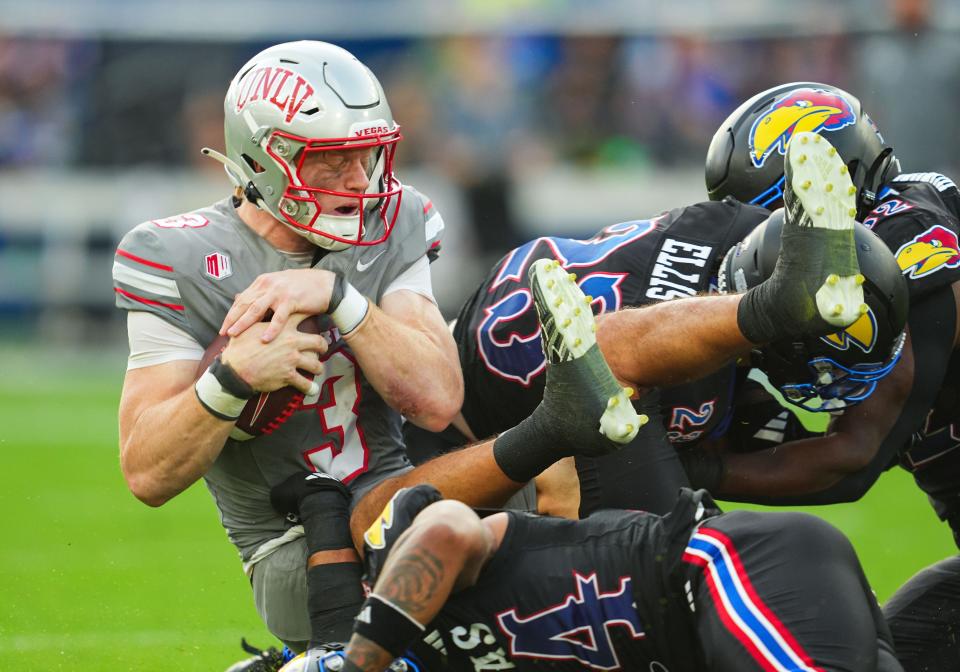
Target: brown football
266 411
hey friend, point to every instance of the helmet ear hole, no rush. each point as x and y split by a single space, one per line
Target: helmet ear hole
254 166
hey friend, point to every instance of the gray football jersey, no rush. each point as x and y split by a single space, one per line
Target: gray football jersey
187 269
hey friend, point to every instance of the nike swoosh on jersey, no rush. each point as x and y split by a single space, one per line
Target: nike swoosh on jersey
364 266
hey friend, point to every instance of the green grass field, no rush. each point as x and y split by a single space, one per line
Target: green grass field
91 579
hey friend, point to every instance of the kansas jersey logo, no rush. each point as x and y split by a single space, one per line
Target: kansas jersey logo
578 628
862 334
935 248
803 110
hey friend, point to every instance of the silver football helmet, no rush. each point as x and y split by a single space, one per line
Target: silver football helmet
291 102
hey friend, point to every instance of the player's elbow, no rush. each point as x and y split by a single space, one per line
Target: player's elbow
454 527
436 412
146 493
144 485
854 472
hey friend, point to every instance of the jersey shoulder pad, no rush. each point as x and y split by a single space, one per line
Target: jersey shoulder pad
426 222
148 268
925 245
940 182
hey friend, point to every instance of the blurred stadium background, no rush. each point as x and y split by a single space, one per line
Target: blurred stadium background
521 118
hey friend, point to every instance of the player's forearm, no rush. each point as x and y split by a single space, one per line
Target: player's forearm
414 373
443 551
169 446
793 470
673 342
365 656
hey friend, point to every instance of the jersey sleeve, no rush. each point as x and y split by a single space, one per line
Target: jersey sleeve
144 278
415 279
925 241
760 421
433 229
155 341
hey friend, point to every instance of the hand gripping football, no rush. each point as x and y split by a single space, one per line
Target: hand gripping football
266 411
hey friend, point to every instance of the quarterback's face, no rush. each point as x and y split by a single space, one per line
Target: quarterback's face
345 171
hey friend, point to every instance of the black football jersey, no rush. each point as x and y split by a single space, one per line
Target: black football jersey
919 219
598 593
627 264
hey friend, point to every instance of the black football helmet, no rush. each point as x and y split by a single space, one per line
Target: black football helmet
832 372
745 158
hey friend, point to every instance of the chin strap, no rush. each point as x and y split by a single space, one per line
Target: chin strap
250 191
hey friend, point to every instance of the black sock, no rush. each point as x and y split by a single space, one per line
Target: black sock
565 423
334 593
334 597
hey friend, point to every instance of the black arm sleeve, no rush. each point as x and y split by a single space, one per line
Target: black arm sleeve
760 421
932 326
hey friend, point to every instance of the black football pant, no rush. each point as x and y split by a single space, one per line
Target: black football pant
644 475
783 591
924 617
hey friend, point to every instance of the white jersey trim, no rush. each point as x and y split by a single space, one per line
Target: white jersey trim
433 226
270 546
154 341
145 281
940 182
415 279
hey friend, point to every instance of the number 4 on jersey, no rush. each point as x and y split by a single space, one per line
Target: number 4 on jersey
578 628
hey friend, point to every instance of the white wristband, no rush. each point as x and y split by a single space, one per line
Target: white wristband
352 309
216 399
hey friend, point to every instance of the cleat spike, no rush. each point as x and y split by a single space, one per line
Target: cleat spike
817 138
864 309
859 279
806 184
576 311
819 210
804 140
628 391
550 284
833 279
572 276
837 309
593 328
588 299
851 190
558 302
844 170
629 430
566 322
613 402
828 188
803 157
852 212
832 151
577 342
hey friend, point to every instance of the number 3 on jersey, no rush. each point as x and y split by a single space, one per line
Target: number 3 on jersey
346 454
510 349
